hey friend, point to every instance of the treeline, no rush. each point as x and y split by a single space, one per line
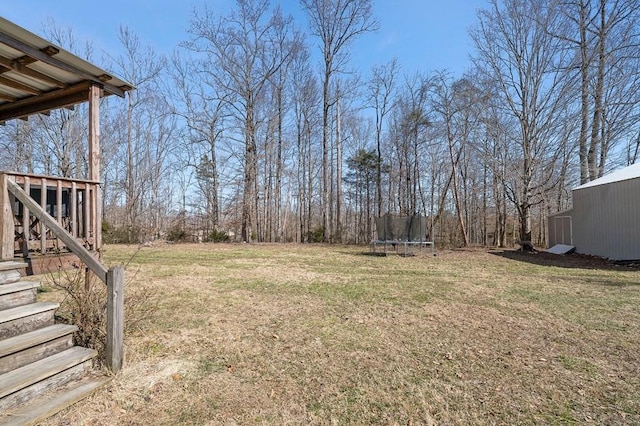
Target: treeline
242 134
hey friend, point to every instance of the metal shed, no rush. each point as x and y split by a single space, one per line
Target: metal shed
605 219
560 228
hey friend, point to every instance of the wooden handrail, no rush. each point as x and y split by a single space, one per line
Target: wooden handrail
19 176
85 255
113 277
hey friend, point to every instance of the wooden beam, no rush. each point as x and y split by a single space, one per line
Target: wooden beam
16 66
66 182
19 86
46 102
85 256
50 60
8 98
50 50
26 60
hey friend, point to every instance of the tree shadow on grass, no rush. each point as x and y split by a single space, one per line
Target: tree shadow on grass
573 260
390 253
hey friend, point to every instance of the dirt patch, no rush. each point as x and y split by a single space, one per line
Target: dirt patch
571 260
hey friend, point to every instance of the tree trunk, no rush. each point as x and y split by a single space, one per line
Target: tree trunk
278 189
338 232
249 199
213 196
584 97
325 152
598 107
130 203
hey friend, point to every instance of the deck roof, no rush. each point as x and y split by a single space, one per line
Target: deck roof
37 76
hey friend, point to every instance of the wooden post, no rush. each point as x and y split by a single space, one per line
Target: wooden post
59 208
43 204
87 232
95 229
94 133
26 219
73 200
7 225
98 212
94 165
26 229
85 215
115 318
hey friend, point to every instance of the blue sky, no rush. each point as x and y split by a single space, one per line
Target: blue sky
424 35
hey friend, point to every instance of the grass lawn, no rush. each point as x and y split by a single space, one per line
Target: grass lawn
310 334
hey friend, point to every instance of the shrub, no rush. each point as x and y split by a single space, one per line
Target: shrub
120 234
218 237
316 236
177 235
84 304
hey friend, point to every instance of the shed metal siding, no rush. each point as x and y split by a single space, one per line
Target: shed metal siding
606 220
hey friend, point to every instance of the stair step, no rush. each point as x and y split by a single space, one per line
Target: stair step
18 286
22 384
9 276
23 319
24 349
18 293
5 266
37 410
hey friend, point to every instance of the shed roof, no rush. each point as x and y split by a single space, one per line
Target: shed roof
626 173
37 76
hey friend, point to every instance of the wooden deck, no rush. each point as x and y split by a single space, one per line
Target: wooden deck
73 203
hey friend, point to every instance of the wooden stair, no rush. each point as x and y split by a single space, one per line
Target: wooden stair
41 371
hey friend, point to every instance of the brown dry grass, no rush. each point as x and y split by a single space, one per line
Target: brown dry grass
289 334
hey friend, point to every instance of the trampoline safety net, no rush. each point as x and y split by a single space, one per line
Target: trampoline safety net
401 233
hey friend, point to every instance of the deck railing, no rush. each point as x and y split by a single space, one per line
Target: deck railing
74 203
74 224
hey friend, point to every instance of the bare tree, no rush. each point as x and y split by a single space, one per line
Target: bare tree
606 41
515 48
244 51
336 23
140 66
456 105
17 146
198 103
59 138
288 42
305 99
409 125
380 98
